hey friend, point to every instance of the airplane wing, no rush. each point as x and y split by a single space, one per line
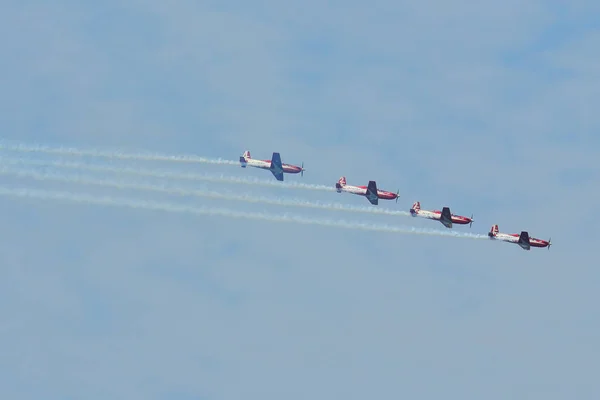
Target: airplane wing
276 166
524 240
446 217
372 193
278 175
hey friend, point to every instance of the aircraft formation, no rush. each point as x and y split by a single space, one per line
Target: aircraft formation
373 194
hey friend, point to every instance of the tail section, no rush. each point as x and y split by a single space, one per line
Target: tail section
415 208
494 231
340 183
244 159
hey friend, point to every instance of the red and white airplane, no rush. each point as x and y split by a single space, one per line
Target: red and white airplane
274 165
521 239
370 191
444 216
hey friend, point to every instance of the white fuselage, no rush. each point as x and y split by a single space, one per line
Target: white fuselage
523 239
266 164
427 214
353 189
250 162
506 237
382 194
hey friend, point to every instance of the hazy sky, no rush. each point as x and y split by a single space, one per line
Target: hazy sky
491 109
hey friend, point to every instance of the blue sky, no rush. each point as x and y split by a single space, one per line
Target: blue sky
489 109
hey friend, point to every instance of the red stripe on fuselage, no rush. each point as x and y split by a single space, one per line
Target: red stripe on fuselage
537 242
456 219
386 195
291 169
382 194
532 241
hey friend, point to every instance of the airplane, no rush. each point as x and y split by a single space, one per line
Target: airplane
370 191
444 216
275 165
521 239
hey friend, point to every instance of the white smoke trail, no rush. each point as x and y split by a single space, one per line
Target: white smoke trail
167 174
72 151
85 180
176 208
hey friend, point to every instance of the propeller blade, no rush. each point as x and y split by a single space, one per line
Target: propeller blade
302 169
397 195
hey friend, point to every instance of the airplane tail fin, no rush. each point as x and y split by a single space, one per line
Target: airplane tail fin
341 182
415 208
244 158
494 231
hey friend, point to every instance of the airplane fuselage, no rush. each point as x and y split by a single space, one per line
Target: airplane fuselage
362 191
514 238
437 215
506 237
265 164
